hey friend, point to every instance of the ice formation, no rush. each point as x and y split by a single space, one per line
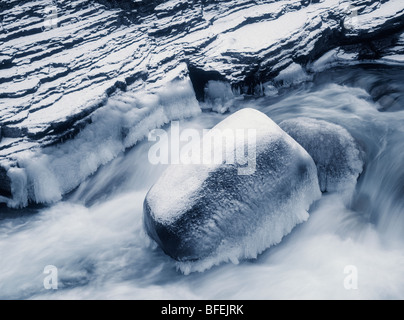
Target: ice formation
333 149
44 176
204 214
218 96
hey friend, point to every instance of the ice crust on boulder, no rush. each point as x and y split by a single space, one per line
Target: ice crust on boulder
333 149
205 214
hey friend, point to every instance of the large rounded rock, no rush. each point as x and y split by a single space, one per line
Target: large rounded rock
217 212
333 149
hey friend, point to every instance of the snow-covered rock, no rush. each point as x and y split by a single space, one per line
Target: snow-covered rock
337 156
61 61
207 213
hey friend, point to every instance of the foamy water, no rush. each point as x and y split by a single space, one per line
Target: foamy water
95 235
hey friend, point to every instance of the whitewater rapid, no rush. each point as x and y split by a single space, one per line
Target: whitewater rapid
95 238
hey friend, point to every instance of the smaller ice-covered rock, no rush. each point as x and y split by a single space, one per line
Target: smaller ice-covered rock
333 149
207 213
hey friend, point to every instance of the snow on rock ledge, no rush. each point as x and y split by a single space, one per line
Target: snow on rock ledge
45 175
333 149
56 73
204 214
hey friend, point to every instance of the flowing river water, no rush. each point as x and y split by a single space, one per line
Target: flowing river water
96 240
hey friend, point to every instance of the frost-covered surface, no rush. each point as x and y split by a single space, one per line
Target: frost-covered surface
336 154
54 77
205 214
120 124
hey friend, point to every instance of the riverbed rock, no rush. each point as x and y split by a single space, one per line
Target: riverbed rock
217 212
337 155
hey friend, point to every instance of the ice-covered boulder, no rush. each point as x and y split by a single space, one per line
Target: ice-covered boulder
333 149
203 214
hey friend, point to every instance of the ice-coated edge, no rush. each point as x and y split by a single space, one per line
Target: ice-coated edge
45 175
260 240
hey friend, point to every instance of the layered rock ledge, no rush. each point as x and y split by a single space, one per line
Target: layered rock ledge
66 65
